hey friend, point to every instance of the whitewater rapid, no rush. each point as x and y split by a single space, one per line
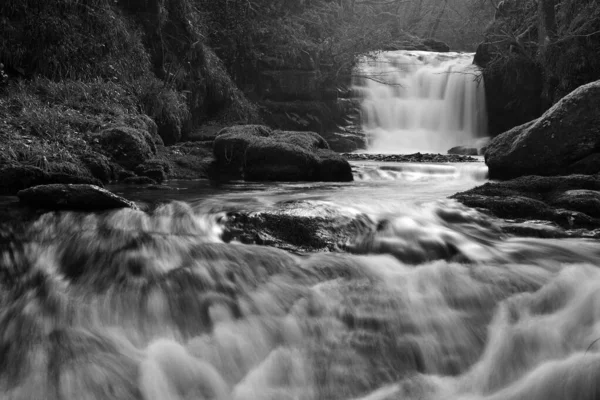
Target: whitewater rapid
430 301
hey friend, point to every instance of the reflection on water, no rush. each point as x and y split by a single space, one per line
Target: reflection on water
435 303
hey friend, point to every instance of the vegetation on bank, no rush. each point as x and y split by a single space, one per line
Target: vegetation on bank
535 53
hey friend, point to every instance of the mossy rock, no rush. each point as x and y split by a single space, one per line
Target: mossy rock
82 197
231 143
333 167
14 178
99 166
272 160
307 140
129 147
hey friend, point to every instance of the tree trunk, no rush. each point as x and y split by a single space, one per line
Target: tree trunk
436 24
547 22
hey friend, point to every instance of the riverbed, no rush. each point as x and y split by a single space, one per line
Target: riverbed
432 300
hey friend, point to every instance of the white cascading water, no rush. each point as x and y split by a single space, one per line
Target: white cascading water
421 101
425 300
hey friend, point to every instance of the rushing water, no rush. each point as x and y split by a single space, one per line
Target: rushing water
434 303
421 101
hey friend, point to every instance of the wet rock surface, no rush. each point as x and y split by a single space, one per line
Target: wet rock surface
465 151
258 153
564 140
80 197
296 226
416 157
571 202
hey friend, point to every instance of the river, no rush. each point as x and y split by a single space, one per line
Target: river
436 303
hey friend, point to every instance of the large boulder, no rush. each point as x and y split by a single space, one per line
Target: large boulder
257 153
14 178
564 140
333 167
66 196
129 147
273 160
229 147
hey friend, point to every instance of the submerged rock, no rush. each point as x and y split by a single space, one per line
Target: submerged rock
565 140
81 197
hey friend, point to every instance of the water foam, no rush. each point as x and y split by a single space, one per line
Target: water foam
436 303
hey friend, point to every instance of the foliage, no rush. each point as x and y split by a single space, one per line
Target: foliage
71 39
565 61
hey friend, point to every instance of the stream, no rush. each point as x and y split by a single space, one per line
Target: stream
434 302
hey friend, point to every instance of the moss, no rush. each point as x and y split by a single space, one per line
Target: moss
271 160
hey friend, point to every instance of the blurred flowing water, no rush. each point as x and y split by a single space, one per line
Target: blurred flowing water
434 302
421 101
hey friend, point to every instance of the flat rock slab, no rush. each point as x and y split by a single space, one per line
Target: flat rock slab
416 157
80 197
571 202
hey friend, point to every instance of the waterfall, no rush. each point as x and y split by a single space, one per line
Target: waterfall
420 101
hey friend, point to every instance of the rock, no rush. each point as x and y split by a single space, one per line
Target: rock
146 123
271 160
302 225
554 144
585 201
57 177
124 174
436 45
82 197
570 201
257 153
155 169
98 165
333 167
416 157
306 140
139 180
17 177
188 160
231 143
14 178
462 150
129 147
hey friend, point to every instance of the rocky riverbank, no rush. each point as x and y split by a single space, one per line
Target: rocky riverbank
553 167
416 157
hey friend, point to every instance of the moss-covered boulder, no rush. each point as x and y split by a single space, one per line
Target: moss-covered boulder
565 140
14 178
82 197
257 153
231 143
274 160
129 147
